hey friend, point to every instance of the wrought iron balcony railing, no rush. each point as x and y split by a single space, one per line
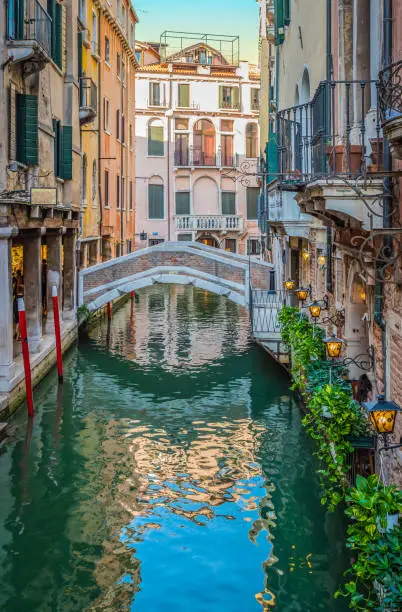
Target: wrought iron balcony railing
29 21
197 157
328 136
391 92
88 100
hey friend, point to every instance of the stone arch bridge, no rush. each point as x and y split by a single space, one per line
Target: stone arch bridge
186 263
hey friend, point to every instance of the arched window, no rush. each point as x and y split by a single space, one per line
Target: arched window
204 143
305 88
297 96
251 140
155 138
94 181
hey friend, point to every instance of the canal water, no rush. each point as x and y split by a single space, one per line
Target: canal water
169 473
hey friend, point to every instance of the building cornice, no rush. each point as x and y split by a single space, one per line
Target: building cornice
116 27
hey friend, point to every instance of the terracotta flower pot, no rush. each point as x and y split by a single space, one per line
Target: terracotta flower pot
339 154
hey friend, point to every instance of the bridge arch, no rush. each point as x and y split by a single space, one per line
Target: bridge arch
188 263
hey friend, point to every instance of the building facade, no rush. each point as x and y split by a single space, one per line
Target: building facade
333 202
39 173
197 146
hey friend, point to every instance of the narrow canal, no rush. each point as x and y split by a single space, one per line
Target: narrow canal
169 473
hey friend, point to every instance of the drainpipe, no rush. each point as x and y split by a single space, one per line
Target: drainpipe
329 40
99 146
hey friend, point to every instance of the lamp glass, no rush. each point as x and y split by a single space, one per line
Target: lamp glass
306 255
315 309
302 294
334 346
289 284
383 420
321 260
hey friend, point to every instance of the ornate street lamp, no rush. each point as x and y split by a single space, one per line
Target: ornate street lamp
382 414
321 260
334 346
289 284
315 310
302 294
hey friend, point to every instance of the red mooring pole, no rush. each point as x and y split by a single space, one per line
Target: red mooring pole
25 355
56 317
109 312
132 294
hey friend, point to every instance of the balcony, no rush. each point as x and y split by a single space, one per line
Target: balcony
328 137
390 91
197 158
230 105
88 100
29 35
213 223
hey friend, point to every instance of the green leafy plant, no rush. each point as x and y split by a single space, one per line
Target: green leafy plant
83 313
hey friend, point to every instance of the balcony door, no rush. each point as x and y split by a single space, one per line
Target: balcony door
204 143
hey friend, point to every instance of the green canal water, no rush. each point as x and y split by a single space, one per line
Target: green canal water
170 473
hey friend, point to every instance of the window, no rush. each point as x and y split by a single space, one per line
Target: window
118 66
106 187
132 36
84 178
94 175
255 99
123 130
58 32
204 143
117 191
184 95
251 140
123 193
23 127
107 50
123 16
130 136
181 157
128 246
155 241
227 150
155 139
230 245
82 11
252 202
229 97
227 125
63 150
94 34
185 237
118 249
228 203
118 125
131 196
123 72
118 10
181 124
155 202
253 246
182 202
138 56
106 115
155 94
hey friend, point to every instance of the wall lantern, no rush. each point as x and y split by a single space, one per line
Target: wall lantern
334 346
315 310
289 284
382 414
321 260
302 294
306 254
143 236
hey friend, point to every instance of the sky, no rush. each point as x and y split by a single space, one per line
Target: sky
234 17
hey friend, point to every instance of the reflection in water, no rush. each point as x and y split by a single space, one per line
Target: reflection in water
170 472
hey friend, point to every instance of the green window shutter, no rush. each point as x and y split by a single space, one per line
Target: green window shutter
67 158
155 140
228 203
182 203
235 97
252 203
279 23
286 12
27 129
155 202
184 96
221 96
58 34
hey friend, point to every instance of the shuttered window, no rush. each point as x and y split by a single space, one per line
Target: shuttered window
279 22
229 97
228 203
154 94
117 191
184 95
182 203
26 113
155 202
63 150
252 202
58 37
155 140
286 12
185 237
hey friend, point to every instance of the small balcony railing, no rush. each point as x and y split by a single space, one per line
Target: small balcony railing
182 157
328 136
391 92
197 157
209 222
29 21
230 105
88 99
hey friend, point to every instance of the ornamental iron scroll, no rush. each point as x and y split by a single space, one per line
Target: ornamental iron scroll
390 92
